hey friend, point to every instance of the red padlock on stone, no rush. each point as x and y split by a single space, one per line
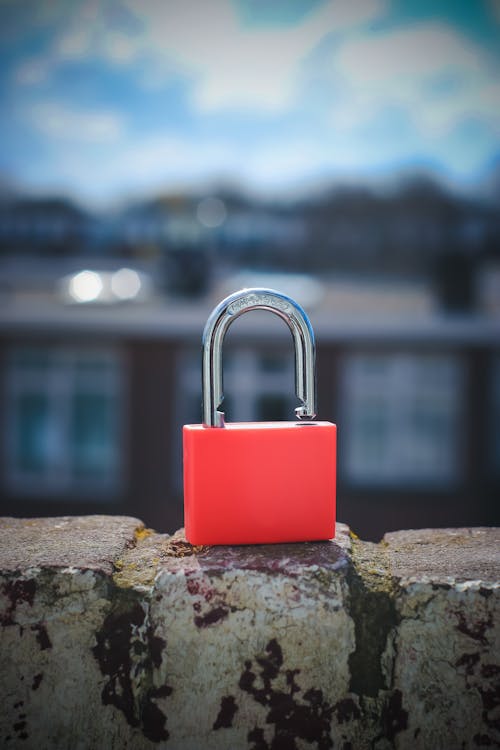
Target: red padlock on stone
259 482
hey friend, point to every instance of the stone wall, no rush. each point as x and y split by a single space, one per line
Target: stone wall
113 637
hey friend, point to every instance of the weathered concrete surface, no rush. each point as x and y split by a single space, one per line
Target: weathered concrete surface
445 555
55 591
83 542
447 644
113 636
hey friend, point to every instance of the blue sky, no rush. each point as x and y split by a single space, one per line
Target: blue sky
107 99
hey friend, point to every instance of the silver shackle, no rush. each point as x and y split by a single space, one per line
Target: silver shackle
213 336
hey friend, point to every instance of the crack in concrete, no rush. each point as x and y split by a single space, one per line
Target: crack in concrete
373 610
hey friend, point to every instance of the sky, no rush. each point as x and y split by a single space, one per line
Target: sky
107 99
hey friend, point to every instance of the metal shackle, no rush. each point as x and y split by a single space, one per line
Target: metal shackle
213 336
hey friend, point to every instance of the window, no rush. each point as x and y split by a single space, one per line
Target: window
401 418
63 420
257 387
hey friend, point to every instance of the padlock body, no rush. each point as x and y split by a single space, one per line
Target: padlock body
259 482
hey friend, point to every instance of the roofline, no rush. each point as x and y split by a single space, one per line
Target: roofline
185 324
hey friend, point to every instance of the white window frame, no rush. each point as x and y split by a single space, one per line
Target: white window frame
396 391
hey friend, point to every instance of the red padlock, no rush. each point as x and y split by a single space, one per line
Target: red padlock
259 482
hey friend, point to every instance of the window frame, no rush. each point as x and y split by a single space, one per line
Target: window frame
64 382
414 478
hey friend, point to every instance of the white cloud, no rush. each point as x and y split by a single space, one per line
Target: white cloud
480 103
170 161
415 52
32 71
121 48
58 121
433 74
134 165
277 163
237 67
229 65
169 157
73 44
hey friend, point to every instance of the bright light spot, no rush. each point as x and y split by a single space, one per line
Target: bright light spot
86 286
125 283
211 212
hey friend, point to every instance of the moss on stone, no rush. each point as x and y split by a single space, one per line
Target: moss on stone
138 566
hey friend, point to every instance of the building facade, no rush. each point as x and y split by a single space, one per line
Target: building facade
93 404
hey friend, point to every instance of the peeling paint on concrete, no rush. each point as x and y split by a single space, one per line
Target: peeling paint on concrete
294 715
226 713
127 651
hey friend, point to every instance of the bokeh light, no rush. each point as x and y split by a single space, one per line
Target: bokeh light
126 283
86 286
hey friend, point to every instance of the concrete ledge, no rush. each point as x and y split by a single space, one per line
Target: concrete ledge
113 636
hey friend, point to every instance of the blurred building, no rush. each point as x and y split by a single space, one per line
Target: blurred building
101 317
416 230
93 400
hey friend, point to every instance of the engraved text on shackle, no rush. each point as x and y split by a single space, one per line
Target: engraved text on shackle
254 300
